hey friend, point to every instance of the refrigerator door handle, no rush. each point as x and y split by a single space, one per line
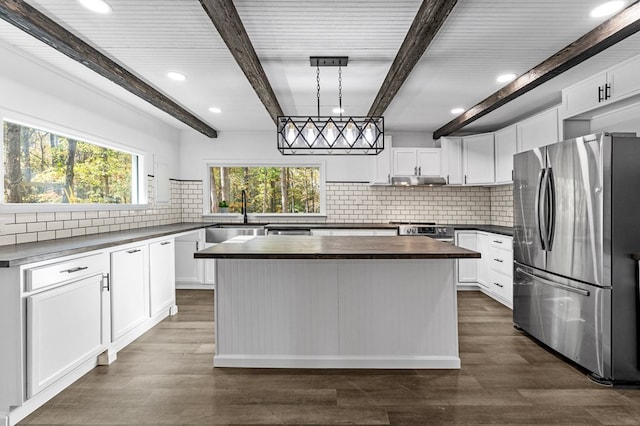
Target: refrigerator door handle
554 284
551 217
539 207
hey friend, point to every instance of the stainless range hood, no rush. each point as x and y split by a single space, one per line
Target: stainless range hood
417 181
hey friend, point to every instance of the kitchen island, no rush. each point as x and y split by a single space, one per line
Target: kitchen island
336 302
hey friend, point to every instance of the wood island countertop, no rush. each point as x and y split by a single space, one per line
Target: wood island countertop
335 247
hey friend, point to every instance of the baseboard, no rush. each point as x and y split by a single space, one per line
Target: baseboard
467 287
351 362
191 286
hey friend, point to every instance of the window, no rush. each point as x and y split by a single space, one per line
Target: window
270 189
41 167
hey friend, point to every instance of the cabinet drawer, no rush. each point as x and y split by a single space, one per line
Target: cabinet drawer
501 242
500 260
502 285
59 272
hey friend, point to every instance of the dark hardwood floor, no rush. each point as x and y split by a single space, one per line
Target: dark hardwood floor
166 377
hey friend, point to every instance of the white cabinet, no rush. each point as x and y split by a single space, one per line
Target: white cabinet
467 268
482 265
381 173
493 272
129 290
416 161
618 82
188 269
540 130
477 159
65 327
451 149
209 268
505 145
162 290
354 232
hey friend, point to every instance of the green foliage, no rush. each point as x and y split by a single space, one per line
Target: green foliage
97 174
264 188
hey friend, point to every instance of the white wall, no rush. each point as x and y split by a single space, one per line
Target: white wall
30 91
196 149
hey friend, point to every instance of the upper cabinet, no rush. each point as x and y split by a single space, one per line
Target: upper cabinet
381 165
478 159
540 130
505 145
416 161
452 160
618 82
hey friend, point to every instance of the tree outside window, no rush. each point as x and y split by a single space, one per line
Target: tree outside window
270 190
41 167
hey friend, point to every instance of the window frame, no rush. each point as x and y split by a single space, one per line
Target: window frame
61 130
206 186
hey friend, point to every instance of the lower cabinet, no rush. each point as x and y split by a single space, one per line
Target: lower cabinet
193 273
493 272
64 328
355 232
162 287
129 290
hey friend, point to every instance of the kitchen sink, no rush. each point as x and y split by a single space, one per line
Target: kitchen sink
226 232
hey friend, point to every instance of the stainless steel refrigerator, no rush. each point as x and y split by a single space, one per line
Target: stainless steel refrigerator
576 224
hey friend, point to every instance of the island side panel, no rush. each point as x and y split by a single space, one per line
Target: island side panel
276 311
336 314
402 310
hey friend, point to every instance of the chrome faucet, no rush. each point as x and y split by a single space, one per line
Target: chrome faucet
244 206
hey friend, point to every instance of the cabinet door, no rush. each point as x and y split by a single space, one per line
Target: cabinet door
505 144
583 96
483 263
64 329
428 161
478 159
404 162
624 79
452 160
129 290
538 131
467 267
162 286
381 173
188 269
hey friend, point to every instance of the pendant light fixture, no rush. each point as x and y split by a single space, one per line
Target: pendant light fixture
333 135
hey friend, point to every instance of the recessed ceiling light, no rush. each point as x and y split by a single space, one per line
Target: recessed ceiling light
608 8
337 110
504 78
457 111
215 110
98 6
176 76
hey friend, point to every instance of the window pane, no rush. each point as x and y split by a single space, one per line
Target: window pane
269 189
42 167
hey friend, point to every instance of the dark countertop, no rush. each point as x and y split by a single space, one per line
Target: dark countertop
310 247
20 254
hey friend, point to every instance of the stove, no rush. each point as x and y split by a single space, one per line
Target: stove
425 229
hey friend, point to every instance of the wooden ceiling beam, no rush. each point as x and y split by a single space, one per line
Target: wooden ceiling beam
595 41
225 18
35 23
425 26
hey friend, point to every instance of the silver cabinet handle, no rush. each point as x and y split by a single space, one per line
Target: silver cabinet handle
465 179
554 284
72 270
420 171
133 251
447 179
499 285
197 245
498 260
389 178
497 241
165 243
105 278
415 170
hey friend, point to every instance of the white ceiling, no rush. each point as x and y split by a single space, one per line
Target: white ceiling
480 39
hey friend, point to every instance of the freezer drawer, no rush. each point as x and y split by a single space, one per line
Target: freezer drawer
570 317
